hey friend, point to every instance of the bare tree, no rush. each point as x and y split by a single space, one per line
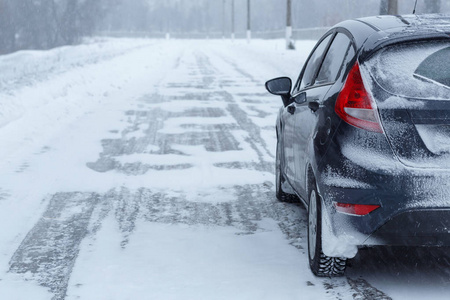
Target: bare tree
432 6
232 19
389 7
223 19
249 32
44 24
7 27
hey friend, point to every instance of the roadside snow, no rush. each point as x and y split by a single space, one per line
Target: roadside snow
59 108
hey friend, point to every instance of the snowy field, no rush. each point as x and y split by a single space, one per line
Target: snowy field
144 169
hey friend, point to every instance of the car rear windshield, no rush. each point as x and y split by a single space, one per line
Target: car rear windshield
413 70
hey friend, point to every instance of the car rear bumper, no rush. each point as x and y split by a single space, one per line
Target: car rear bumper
422 227
414 202
414 210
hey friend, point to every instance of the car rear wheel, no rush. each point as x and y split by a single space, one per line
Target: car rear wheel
279 180
320 264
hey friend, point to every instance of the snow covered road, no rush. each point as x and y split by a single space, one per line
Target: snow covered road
143 169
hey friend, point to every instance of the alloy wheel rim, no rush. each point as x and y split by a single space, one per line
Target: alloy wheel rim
312 224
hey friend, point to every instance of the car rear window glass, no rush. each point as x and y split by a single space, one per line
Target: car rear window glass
433 68
415 70
332 63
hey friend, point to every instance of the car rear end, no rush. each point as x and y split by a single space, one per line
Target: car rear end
386 176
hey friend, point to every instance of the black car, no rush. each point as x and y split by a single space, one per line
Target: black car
364 137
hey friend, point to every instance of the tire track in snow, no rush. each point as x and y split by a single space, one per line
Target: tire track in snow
215 138
50 249
242 212
204 67
148 123
3 195
246 206
366 291
337 288
254 138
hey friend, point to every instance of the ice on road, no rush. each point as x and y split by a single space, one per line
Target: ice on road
144 169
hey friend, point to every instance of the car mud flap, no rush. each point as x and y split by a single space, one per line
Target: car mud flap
338 242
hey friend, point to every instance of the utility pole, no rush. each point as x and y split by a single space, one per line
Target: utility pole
289 43
168 23
389 7
223 19
249 31
168 29
207 23
232 20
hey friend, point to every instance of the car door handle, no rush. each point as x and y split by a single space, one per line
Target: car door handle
314 106
291 109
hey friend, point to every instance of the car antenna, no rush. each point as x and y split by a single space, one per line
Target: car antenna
414 11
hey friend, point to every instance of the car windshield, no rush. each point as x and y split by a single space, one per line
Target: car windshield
416 70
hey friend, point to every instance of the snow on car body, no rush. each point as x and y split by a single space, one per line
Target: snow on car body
364 137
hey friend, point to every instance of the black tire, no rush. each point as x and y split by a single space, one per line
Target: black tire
279 180
320 264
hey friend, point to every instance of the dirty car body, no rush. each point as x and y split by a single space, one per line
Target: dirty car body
364 133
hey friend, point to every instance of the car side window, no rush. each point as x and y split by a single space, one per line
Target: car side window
313 63
332 64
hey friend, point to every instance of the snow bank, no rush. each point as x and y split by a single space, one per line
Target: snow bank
24 69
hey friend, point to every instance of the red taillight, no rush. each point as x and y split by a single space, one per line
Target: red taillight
355 106
354 209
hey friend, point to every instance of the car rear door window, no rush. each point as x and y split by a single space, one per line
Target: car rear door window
333 62
313 63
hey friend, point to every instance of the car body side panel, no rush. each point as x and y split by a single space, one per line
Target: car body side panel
288 124
306 123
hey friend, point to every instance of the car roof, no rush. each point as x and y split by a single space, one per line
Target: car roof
398 23
372 33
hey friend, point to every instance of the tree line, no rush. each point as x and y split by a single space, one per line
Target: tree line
44 24
391 7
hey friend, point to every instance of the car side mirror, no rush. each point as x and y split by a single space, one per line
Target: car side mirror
280 86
